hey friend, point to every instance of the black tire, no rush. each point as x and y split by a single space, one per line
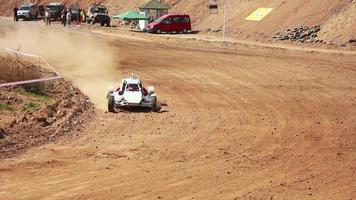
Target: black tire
158 31
102 23
156 106
111 104
93 21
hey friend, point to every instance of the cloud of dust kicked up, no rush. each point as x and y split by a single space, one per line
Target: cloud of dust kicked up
86 60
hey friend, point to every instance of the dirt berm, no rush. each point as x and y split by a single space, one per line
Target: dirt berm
35 114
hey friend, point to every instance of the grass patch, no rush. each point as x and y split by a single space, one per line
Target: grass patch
30 106
33 95
6 107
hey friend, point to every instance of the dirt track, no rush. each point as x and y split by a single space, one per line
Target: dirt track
241 123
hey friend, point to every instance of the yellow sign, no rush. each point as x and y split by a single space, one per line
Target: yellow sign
259 14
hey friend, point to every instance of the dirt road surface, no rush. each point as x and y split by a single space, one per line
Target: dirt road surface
240 123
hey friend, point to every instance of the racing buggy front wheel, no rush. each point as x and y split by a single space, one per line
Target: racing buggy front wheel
111 104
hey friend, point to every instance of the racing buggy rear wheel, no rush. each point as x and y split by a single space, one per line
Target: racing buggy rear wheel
156 106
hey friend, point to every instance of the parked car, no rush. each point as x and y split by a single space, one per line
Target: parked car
28 11
170 23
55 9
98 14
75 10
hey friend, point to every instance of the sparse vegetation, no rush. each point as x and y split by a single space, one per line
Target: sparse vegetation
6 107
41 97
30 106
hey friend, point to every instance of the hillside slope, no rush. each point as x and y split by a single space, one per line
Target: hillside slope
336 17
341 27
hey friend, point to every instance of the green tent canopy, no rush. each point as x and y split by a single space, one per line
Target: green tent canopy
130 15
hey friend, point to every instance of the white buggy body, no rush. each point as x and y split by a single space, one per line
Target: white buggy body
132 94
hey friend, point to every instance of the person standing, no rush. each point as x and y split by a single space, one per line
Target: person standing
69 18
82 16
15 14
150 20
47 17
64 16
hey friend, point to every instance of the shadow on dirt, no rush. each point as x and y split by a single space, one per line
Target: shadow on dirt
28 20
140 110
172 33
193 32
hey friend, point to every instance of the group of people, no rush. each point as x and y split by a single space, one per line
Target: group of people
66 16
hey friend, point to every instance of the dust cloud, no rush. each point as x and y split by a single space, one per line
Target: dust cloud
88 61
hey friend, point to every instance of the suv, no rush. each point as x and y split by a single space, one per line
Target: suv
28 11
75 11
55 9
98 14
170 23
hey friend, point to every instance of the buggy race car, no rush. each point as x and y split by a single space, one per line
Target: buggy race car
131 94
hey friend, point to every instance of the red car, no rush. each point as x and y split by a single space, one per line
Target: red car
170 23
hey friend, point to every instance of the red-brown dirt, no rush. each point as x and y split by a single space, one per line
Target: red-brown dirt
243 122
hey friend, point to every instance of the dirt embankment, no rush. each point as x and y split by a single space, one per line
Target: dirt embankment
35 114
336 17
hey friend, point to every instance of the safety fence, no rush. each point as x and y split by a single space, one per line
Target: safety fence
14 83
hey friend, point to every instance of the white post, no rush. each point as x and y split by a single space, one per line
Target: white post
224 25
225 13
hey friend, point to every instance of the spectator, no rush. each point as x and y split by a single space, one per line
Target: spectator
47 17
77 16
64 17
81 16
151 19
69 18
84 16
15 14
